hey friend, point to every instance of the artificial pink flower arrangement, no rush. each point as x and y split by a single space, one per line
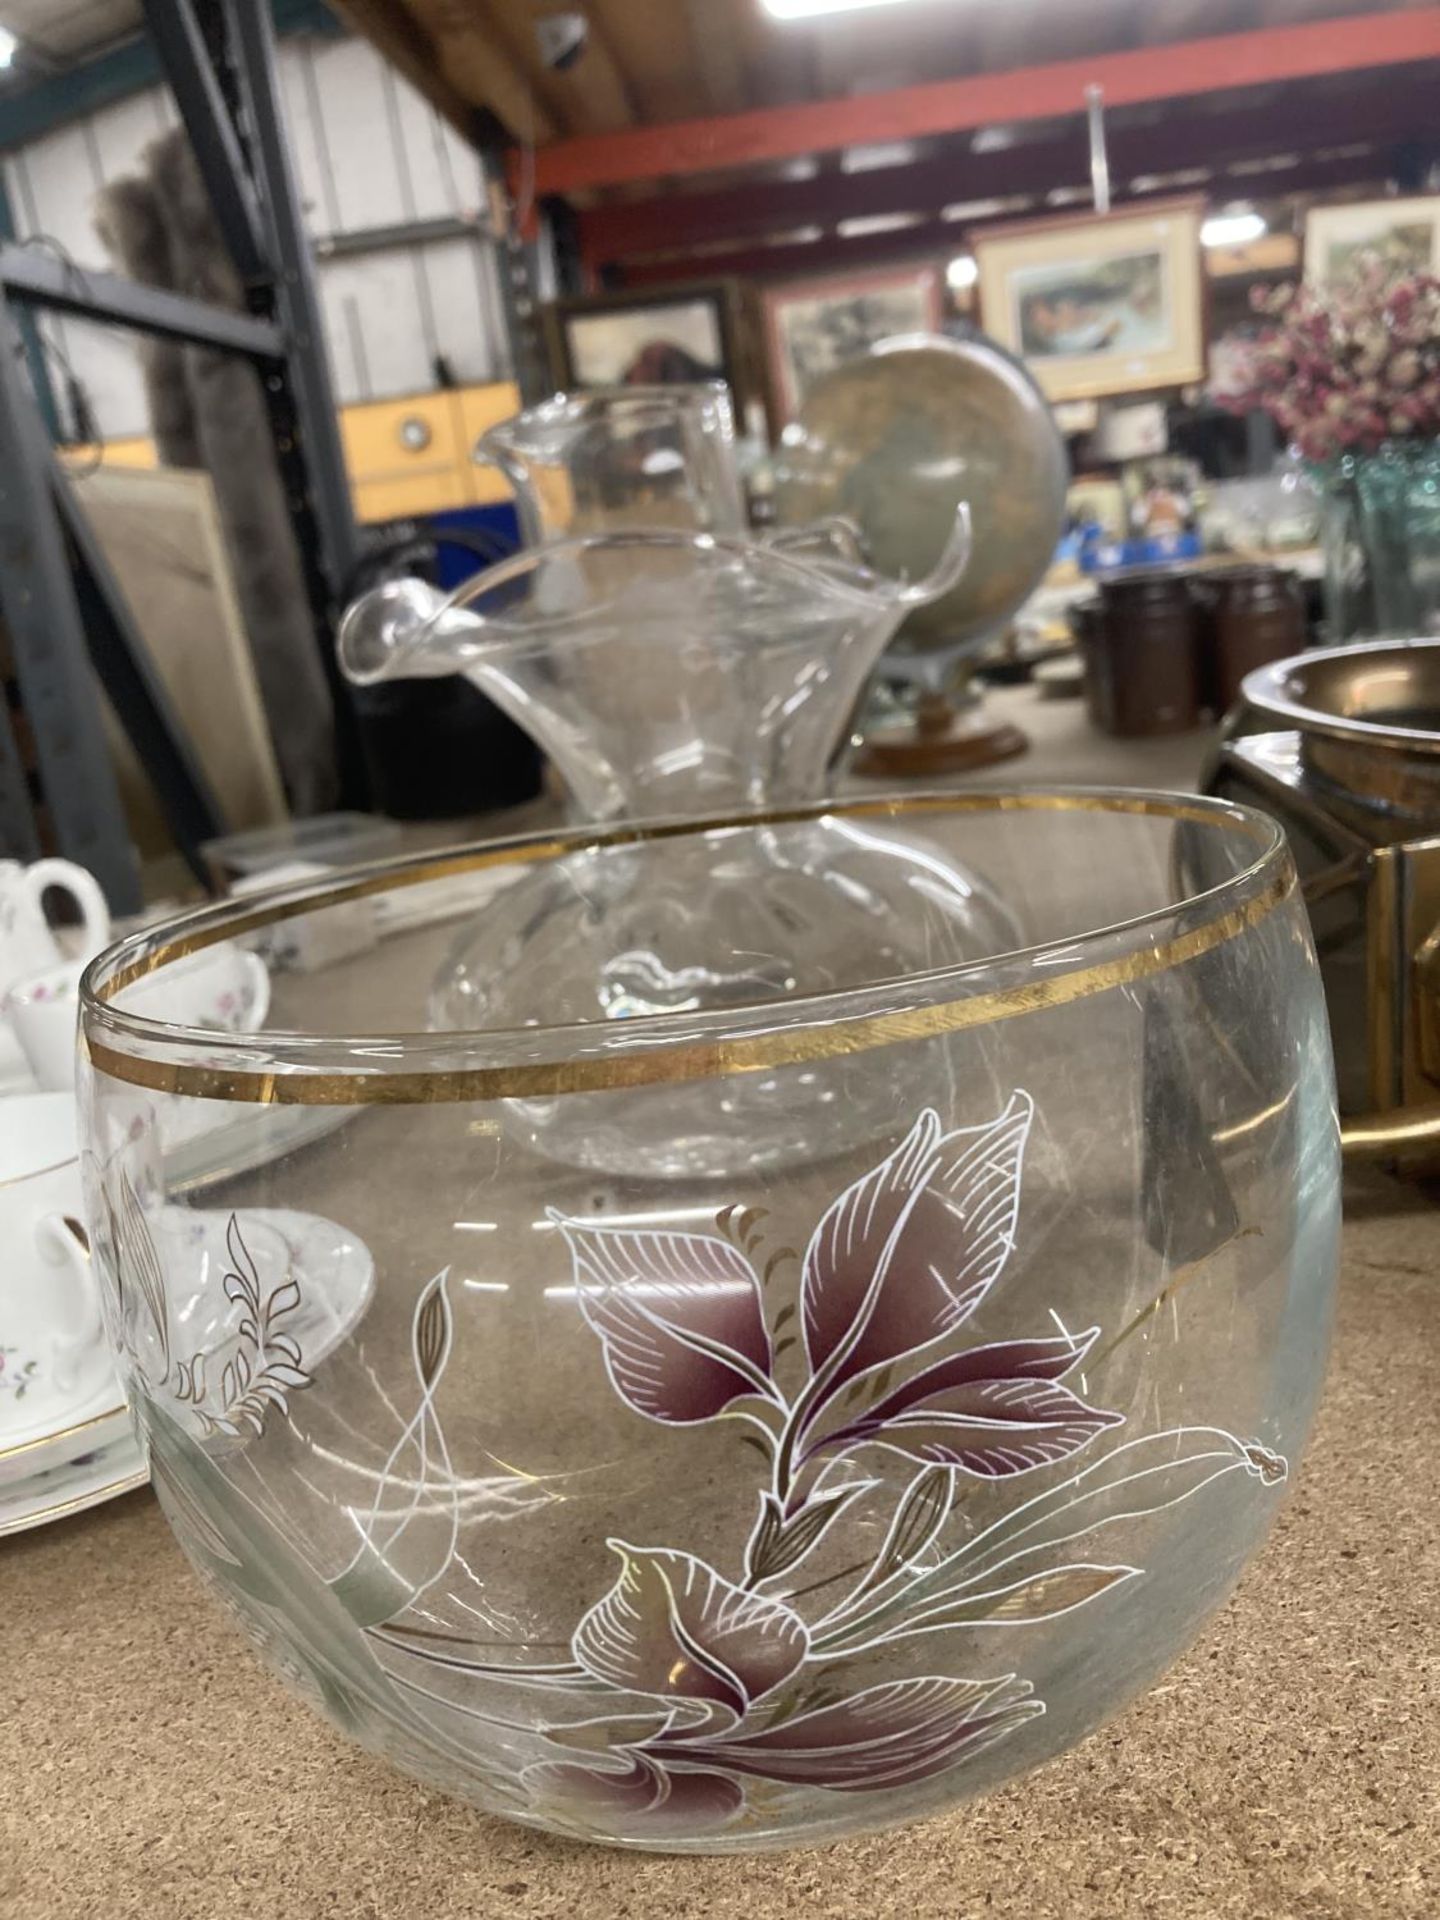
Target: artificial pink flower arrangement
1343 369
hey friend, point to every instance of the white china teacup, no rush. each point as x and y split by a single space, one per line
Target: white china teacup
52 1339
224 988
27 946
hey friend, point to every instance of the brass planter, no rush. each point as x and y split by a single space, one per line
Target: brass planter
1342 747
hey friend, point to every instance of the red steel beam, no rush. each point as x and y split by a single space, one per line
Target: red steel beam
1197 138
951 106
939 239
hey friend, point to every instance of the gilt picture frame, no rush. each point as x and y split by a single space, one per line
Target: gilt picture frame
814 325
1404 235
1099 306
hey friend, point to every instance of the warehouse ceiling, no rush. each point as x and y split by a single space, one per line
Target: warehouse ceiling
706 135
58 32
648 61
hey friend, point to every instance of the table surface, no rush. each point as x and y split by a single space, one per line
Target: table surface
1287 1769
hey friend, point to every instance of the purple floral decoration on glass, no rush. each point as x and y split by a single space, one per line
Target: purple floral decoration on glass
714 1696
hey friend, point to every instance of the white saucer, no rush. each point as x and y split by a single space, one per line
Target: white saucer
15 1074
335 1277
69 1486
46 1428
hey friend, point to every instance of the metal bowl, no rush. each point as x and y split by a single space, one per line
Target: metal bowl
1368 718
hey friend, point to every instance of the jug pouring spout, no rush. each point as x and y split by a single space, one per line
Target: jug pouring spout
663 672
394 632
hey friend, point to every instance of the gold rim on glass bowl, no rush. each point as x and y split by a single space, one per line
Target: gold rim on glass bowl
277 1068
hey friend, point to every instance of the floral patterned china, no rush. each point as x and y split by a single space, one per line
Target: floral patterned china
66 1438
104 1465
26 942
55 1367
28 945
226 990
740 1510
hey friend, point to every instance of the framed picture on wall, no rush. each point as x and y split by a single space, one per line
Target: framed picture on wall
1099 305
814 325
1404 235
672 336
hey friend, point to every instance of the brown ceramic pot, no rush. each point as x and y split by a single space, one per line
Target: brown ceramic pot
1249 616
1145 646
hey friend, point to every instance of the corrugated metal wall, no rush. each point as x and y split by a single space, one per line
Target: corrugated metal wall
370 153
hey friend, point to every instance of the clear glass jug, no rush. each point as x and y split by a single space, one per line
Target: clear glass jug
622 457
676 674
664 673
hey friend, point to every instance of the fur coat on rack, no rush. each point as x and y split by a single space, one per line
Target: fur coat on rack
207 410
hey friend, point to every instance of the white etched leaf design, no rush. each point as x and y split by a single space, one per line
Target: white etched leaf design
1042 1538
138 1271
1041 1596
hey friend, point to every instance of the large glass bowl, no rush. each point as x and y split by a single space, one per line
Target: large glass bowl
699 1517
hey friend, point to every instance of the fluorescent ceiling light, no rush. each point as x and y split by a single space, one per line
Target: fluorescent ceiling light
8 44
867 223
884 153
963 271
1231 230
809 9
983 209
1153 182
1281 162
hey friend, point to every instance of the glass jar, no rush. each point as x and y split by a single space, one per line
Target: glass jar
1382 541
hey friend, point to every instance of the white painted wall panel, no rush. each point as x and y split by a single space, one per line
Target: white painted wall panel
106 360
369 151
444 173
344 338
57 180
466 299
302 121
359 147
377 299
123 131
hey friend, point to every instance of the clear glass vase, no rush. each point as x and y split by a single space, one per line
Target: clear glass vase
1382 542
673 675
622 458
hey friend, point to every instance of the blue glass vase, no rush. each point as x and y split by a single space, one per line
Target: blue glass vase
1382 541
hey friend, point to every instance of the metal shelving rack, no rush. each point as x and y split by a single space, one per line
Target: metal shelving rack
67 620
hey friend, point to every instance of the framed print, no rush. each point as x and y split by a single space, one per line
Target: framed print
675 335
814 325
1099 306
1403 234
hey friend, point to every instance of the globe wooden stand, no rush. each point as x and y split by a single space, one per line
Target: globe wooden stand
939 740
